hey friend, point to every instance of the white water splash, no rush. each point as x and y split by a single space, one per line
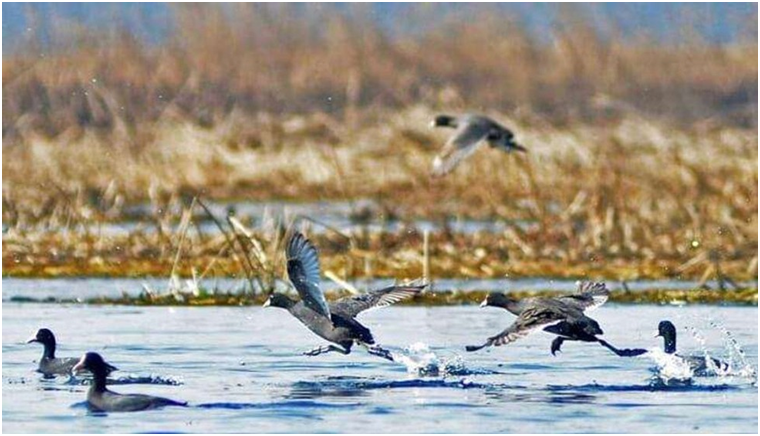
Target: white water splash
670 366
737 361
711 368
676 367
421 361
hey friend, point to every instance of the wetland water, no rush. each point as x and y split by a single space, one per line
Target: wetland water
24 289
361 216
241 370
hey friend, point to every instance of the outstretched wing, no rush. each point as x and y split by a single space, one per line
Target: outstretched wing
529 320
589 296
303 271
465 141
352 306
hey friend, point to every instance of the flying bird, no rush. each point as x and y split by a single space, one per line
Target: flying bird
472 131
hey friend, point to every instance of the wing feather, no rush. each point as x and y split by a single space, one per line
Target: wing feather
528 321
465 141
352 306
303 271
590 295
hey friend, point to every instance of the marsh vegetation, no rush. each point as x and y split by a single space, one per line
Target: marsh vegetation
640 165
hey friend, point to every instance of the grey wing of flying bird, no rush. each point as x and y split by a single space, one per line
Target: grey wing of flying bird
472 131
352 306
589 296
303 271
470 135
532 318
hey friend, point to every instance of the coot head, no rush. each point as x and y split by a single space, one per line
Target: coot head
94 363
279 300
667 331
43 336
498 299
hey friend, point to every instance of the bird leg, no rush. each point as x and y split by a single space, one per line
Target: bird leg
557 344
325 349
378 351
622 352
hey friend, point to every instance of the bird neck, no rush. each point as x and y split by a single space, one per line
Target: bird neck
670 344
48 352
99 380
514 306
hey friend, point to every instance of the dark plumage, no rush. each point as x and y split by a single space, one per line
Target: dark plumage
101 399
335 321
49 364
472 131
697 364
563 316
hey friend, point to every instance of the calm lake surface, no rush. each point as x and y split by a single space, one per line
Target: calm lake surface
241 371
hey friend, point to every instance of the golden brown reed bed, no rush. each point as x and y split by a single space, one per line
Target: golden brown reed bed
642 161
637 193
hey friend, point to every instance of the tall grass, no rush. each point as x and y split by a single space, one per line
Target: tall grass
638 150
238 61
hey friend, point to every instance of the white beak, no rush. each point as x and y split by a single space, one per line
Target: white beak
267 303
484 303
79 366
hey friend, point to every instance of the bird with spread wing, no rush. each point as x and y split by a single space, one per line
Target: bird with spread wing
471 132
334 321
563 316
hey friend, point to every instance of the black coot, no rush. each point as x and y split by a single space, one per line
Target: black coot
698 364
335 321
563 316
99 398
49 364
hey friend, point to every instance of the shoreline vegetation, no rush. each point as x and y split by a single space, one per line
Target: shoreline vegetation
639 164
742 297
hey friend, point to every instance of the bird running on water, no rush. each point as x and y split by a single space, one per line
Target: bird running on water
563 316
334 321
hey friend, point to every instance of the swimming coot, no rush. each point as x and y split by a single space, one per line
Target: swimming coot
49 364
697 364
472 131
334 321
101 399
563 316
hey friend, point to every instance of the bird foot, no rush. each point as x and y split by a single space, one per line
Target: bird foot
380 352
631 352
325 349
471 348
316 351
